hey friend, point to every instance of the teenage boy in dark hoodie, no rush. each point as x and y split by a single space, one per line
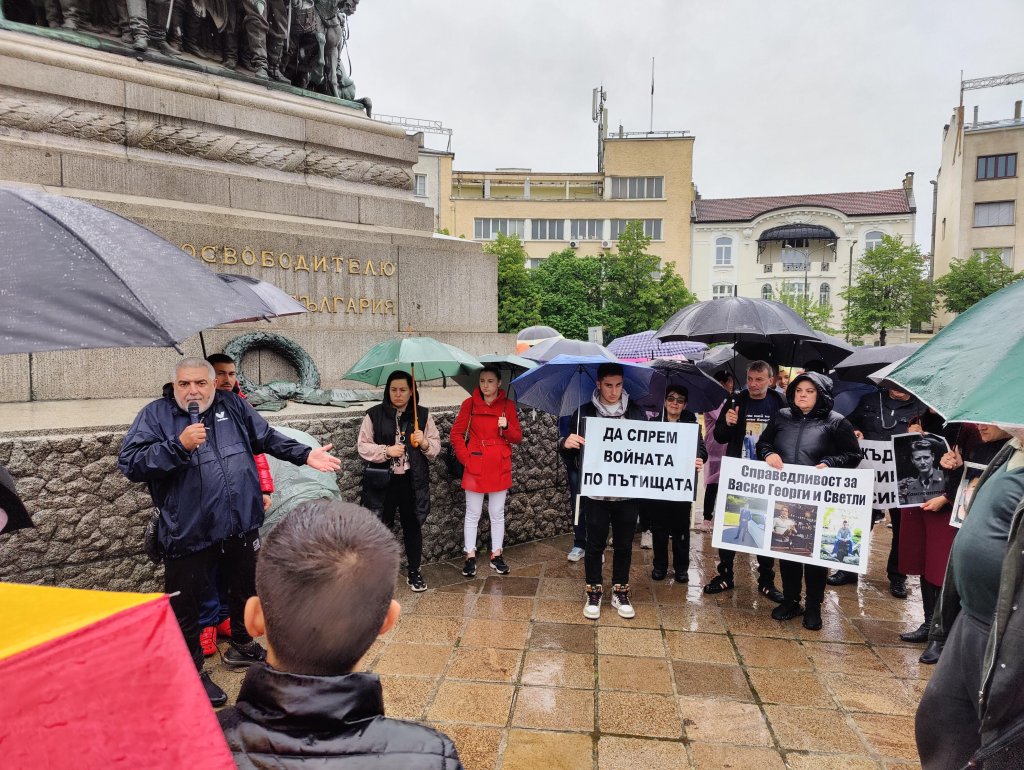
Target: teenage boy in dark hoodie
325 583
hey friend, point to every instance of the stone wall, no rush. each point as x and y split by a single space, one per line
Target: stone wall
90 519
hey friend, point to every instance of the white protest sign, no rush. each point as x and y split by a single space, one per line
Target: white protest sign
634 458
800 513
879 457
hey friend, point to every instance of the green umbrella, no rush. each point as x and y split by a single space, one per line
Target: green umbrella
973 369
424 357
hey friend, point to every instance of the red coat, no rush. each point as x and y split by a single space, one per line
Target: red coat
488 457
262 465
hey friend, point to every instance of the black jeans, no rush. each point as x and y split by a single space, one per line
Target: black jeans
795 573
710 495
892 566
947 723
621 516
670 521
189 577
579 529
765 567
400 496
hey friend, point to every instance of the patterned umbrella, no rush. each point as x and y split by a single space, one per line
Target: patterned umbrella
644 346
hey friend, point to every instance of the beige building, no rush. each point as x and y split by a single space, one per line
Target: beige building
979 193
801 244
646 176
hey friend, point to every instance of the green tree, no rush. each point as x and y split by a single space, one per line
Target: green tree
518 301
634 298
890 290
570 292
815 314
971 280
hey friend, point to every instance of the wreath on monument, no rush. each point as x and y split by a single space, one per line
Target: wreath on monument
309 375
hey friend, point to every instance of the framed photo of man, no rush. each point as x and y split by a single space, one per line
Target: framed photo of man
918 475
964 493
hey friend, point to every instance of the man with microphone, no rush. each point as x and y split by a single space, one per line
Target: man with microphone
194 448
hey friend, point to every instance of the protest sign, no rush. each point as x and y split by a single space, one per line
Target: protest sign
964 493
820 517
918 475
879 457
633 458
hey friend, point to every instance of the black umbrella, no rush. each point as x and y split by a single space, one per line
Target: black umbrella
13 514
825 348
737 319
77 276
866 361
550 349
725 358
276 302
704 393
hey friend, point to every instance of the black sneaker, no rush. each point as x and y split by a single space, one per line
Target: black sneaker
812 617
769 590
898 587
416 582
841 578
469 569
787 610
216 695
244 654
498 565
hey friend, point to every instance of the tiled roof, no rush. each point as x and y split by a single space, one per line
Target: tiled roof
851 204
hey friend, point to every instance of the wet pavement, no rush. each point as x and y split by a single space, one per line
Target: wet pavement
513 672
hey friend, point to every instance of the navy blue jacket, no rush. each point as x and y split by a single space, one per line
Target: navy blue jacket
212 493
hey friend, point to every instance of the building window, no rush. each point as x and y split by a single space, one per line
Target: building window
721 290
997 166
586 229
534 263
634 187
1005 253
421 185
548 229
795 289
825 294
488 229
652 228
766 291
723 251
994 214
873 239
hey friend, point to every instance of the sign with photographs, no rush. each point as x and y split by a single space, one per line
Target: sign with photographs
798 513
634 458
879 457
964 493
918 475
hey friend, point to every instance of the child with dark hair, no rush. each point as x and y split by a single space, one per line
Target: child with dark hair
325 583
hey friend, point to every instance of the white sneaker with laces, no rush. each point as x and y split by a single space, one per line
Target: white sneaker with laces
575 554
620 601
646 539
592 609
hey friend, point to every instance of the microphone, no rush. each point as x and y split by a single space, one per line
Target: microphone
193 412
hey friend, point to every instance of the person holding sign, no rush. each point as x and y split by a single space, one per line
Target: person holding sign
669 519
807 432
738 426
619 513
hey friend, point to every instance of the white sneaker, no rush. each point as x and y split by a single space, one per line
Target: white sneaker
592 609
646 539
575 554
620 601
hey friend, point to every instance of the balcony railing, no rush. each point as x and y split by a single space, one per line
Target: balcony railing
793 267
768 267
826 266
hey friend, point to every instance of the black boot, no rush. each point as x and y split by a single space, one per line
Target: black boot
931 653
929 594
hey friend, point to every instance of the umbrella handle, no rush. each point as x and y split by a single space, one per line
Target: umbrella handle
415 412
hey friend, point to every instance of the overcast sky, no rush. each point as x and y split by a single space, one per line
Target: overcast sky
783 96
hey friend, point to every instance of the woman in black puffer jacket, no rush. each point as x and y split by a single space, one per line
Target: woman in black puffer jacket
807 432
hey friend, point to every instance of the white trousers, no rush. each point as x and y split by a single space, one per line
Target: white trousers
495 512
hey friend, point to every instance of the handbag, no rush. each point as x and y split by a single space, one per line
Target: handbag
151 539
376 475
451 460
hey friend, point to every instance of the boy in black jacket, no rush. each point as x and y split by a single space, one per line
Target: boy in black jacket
324 582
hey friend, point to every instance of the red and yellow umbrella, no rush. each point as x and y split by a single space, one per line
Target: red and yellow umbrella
96 679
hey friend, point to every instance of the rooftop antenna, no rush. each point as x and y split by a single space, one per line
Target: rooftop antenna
652 95
600 116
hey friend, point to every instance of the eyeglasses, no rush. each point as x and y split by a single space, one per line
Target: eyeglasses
675 400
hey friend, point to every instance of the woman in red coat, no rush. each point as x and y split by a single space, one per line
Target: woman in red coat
482 437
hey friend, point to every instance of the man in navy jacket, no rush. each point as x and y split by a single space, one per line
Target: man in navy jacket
203 482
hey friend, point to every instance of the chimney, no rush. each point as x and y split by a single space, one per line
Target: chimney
975 123
908 180
1016 109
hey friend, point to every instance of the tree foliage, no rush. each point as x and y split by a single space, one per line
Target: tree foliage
815 314
889 291
971 280
570 291
518 301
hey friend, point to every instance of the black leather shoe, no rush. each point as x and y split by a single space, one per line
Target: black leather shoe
841 578
771 592
918 635
658 574
812 617
216 695
787 611
898 587
682 577
931 653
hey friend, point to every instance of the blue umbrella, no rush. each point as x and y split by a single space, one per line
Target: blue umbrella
561 386
848 394
645 346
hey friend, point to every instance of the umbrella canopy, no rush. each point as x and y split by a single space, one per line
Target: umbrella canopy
724 357
881 377
830 350
865 361
560 386
83 674
13 514
510 367
536 333
643 346
432 359
551 349
847 395
972 370
705 392
77 276
736 319
275 301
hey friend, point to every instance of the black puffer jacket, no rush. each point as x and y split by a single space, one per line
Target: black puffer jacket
287 720
820 436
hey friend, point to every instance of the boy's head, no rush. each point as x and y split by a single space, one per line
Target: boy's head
325 579
224 367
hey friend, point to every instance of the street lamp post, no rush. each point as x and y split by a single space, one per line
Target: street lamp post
849 285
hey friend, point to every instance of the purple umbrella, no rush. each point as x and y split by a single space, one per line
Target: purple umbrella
645 346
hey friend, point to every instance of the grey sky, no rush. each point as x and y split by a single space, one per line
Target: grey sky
783 96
